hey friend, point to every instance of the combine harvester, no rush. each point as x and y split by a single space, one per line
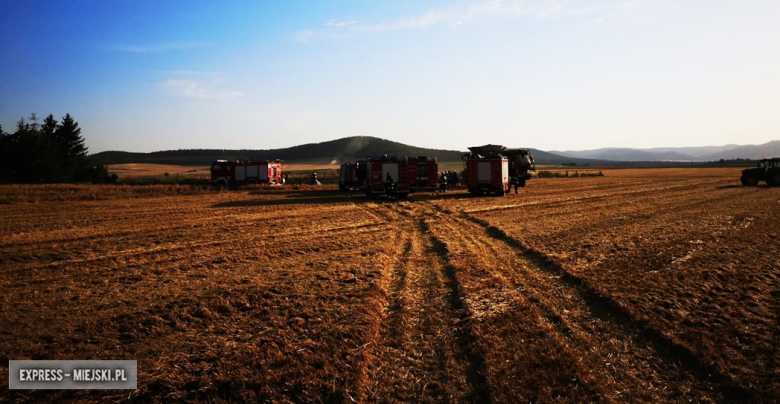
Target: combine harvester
236 173
492 168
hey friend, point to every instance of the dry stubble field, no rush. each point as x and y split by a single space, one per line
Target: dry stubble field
646 285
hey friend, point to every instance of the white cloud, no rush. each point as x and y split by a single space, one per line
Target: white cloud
473 10
549 8
304 36
160 47
340 24
195 89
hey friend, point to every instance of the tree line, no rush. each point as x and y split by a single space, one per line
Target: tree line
47 152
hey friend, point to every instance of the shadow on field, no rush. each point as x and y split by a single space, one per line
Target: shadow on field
606 307
325 197
296 200
731 186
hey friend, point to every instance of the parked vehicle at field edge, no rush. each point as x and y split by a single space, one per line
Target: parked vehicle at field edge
491 168
379 169
767 170
352 176
236 173
422 174
488 169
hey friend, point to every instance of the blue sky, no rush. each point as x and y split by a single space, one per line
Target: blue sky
549 74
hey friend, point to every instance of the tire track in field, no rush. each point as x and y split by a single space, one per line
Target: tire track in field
523 358
423 353
616 322
608 196
621 212
570 326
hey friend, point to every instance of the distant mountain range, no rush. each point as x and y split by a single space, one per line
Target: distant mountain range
359 147
696 154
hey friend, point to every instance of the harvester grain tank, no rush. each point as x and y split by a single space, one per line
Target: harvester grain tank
236 173
767 170
520 163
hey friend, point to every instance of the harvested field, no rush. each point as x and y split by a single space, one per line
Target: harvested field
645 285
143 170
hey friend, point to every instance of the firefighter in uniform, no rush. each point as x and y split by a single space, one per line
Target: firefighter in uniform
514 176
390 187
443 182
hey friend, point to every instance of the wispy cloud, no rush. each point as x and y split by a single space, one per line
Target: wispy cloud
191 73
340 24
305 36
196 89
469 11
158 48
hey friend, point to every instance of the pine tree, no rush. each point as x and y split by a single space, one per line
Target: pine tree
34 125
70 149
29 157
69 140
49 127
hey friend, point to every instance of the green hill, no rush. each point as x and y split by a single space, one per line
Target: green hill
339 150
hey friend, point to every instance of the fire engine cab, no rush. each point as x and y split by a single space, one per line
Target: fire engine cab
487 170
236 173
377 170
352 176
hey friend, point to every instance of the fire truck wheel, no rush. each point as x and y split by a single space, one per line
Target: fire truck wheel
221 185
251 183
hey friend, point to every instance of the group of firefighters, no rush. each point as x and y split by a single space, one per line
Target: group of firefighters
448 178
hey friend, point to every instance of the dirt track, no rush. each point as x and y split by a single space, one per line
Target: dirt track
644 285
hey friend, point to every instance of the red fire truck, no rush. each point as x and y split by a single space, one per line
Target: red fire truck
236 173
487 170
352 176
422 173
377 169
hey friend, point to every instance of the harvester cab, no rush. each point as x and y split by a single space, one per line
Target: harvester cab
767 170
520 163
